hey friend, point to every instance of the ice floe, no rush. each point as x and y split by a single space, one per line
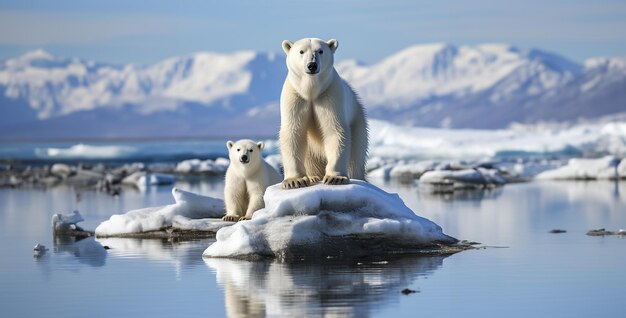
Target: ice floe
449 180
142 179
197 166
66 223
607 167
393 141
353 219
187 205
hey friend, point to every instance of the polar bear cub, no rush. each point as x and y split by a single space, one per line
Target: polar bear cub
247 177
323 131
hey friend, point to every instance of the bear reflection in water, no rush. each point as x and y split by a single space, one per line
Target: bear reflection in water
330 287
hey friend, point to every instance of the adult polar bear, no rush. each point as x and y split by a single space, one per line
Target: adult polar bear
323 131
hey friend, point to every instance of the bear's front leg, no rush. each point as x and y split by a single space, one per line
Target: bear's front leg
336 147
255 192
293 146
235 198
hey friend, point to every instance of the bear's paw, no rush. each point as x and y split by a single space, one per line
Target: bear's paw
231 218
336 180
294 183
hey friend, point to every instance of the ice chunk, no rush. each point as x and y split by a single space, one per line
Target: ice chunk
354 219
39 250
188 205
443 180
584 169
191 166
141 179
65 223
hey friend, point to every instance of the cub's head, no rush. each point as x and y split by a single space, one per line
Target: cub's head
310 56
245 152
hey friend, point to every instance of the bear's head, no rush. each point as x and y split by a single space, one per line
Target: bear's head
245 153
310 56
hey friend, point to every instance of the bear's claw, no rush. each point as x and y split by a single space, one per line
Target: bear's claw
293 183
314 179
231 218
336 180
243 218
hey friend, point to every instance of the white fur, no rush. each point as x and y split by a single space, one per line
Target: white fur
323 132
246 182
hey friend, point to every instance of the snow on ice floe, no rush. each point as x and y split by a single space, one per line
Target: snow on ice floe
187 206
607 167
353 219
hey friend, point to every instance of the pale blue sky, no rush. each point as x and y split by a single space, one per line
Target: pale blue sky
147 31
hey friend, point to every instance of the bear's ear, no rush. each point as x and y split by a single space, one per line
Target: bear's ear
260 145
333 45
229 144
287 46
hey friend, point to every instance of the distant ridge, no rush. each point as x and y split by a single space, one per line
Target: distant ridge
214 94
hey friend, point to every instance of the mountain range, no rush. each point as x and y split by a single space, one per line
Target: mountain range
236 95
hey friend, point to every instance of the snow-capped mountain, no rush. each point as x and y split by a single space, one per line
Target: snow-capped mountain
436 85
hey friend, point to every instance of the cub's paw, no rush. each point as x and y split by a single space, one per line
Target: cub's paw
230 218
334 180
314 179
293 183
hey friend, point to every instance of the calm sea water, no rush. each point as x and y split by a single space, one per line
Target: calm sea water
525 271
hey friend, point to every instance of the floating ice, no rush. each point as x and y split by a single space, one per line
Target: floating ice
585 169
39 250
353 219
444 180
392 141
142 179
191 166
188 205
65 223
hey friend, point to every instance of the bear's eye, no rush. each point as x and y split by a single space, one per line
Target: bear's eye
238 149
301 52
251 150
321 52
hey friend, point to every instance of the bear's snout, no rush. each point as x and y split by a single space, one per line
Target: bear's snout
244 159
312 67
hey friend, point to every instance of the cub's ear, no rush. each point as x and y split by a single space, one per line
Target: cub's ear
287 46
229 144
333 44
260 145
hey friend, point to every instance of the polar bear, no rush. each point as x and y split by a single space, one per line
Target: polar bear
247 177
323 131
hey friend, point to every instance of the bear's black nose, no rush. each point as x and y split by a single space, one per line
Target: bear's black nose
312 67
244 159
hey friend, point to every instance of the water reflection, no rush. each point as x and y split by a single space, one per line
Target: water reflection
179 254
86 250
462 195
327 288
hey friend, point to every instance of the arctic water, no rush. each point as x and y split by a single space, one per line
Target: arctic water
523 270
